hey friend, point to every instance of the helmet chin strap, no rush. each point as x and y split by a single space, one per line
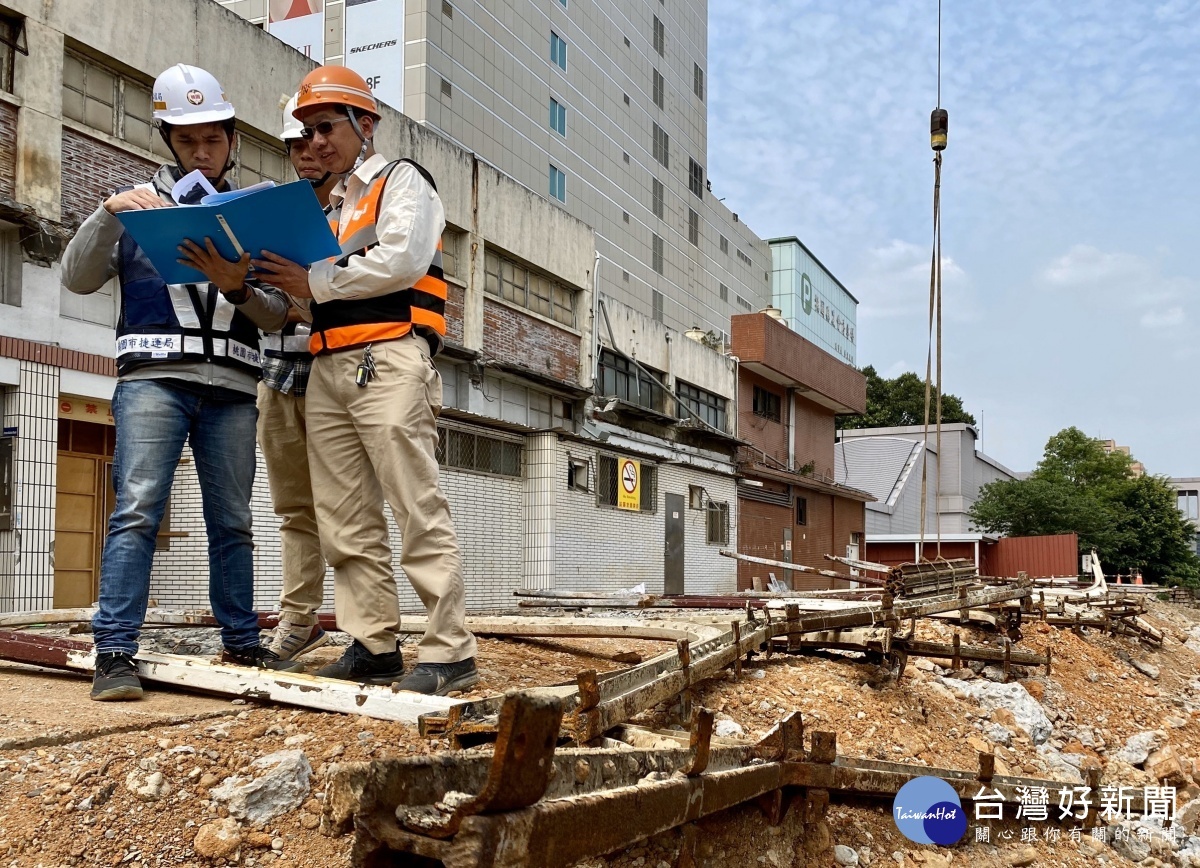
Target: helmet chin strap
318 183
366 143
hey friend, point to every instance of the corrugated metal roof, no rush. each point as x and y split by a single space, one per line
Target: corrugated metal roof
879 465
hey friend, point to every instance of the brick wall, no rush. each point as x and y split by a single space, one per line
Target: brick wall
454 313
519 339
8 149
767 435
91 170
815 435
31 351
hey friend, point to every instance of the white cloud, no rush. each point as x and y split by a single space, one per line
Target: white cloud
893 281
1157 319
1132 282
1086 267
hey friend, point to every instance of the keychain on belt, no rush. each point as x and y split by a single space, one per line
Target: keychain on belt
366 368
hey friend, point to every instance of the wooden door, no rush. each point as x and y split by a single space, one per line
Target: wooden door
79 529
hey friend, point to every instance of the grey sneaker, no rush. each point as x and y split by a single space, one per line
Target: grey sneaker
438 679
289 641
116 678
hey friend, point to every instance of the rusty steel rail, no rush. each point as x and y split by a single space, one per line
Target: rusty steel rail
538 805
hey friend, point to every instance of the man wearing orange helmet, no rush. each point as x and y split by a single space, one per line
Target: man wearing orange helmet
378 318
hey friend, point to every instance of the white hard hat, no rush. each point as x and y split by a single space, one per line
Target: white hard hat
185 95
291 125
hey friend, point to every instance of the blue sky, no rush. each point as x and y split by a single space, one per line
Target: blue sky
1070 196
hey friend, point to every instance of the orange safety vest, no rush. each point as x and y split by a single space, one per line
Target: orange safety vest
347 323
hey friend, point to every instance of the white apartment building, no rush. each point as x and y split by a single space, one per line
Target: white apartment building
601 106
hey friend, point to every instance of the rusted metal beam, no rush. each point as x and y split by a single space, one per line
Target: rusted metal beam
801 568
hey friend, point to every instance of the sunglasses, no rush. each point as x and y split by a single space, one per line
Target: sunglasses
324 128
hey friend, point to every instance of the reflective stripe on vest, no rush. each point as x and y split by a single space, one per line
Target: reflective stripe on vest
291 343
347 323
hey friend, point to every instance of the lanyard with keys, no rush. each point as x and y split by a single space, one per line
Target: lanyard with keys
366 368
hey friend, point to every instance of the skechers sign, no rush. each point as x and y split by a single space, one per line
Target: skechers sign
927 810
375 47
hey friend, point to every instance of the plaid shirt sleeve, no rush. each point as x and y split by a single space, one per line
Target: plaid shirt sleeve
286 375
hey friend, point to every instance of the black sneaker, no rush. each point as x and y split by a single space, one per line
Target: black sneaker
360 665
260 657
438 679
116 678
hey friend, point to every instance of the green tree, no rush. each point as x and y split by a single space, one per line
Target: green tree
901 401
1077 487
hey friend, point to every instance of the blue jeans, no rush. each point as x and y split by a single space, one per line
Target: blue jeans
154 418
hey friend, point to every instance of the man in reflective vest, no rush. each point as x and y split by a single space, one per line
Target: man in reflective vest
284 442
188 365
378 318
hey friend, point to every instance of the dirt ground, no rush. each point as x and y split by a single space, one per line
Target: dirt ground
70 769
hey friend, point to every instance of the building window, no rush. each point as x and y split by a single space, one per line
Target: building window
515 283
742 303
447 89
660 36
717 524
625 216
113 104
558 117
451 239
766 404
693 227
564 3
695 177
466 450
618 377
656 254
656 198
696 497
12 40
1189 504
724 244
656 305
558 184
10 265
447 9
743 257
659 89
707 405
662 146
579 472
801 510
258 161
625 96
606 483
698 81
724 290
558 50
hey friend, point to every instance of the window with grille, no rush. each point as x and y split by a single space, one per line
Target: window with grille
480 453
724 244
657 194
662 146
659 89
656 305
698 81
742 303
724 290
258 161
766 404
693 227
619 377
111 103
660 36
656 254
709 406
743 257
558 50
695 177
11 35
536 292
717 524
606 483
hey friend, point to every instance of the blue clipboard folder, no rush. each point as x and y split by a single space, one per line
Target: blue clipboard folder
286 220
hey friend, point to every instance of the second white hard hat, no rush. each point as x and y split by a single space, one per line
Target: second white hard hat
291 125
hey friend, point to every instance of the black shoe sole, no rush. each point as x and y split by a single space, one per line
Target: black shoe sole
363 679
463 682
120 693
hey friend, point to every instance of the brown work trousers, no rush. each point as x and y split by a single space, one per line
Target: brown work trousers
283 439
376 442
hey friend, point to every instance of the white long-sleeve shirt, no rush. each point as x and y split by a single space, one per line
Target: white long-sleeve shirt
410 224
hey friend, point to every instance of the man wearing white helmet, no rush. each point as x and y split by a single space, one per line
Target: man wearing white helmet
283 438
188 366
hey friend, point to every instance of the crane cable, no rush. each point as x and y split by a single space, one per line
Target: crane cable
938 128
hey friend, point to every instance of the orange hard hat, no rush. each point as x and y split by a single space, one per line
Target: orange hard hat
335 85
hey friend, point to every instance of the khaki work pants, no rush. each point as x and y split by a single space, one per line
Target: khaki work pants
368 444
284 442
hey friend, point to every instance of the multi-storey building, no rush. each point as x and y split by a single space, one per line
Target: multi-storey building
532 477
601 107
